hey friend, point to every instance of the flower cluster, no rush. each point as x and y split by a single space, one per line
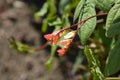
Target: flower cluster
53 38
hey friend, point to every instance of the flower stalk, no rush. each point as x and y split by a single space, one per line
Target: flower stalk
54 37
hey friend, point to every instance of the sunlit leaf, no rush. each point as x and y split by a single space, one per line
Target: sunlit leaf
105 5
78 9
88 27
112 17
93 64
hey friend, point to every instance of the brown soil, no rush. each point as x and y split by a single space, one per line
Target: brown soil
15 21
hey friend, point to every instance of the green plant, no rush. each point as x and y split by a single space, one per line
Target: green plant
98 23
86 14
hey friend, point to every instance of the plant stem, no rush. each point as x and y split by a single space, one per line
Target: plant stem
74 25
83 21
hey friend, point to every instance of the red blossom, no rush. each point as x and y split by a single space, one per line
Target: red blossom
61 51
66 42
53 38
48 37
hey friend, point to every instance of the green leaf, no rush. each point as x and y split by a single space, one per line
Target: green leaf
117 1
63 5
105 5
52 8
42 11
20 47
78 9
99 36
113 63
114 30
94 64
44 25
65 21
74 3
89 26
112 17
57 22
51 16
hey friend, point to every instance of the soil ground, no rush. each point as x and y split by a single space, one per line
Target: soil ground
15 21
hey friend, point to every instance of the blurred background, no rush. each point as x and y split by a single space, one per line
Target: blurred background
26 22
16 20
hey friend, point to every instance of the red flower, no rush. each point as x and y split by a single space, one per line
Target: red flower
53 38
61 51
66 42
48 37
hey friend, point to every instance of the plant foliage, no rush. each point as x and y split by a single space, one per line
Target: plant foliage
87 11
89 15
94 64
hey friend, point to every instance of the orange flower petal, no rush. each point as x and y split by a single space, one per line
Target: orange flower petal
65 42
55 39
61 51
48 36
62 32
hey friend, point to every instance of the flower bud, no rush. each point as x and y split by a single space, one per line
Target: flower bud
61 51
70 35
66 42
